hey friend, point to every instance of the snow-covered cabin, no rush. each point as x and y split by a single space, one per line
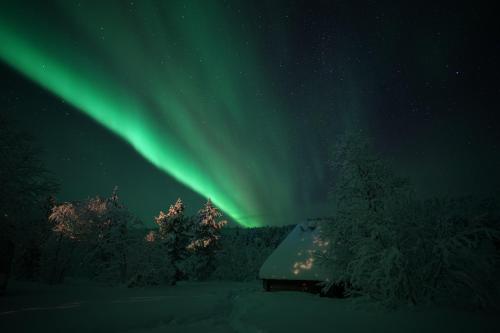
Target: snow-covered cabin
293 265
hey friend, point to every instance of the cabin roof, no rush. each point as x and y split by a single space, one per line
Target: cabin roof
293 259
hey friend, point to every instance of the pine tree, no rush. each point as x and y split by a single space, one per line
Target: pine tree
174 235
206 243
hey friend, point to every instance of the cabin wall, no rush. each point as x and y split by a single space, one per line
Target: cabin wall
292 285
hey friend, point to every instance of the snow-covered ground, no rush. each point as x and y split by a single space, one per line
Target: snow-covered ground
212 307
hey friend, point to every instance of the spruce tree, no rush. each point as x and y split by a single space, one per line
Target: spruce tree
112 240
173 232
206 241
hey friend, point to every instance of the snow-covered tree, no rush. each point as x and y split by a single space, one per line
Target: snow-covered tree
59 247
450 250
363 187
98 230
208 228
25 186
388 245
173 236
152 266
107 224
205 242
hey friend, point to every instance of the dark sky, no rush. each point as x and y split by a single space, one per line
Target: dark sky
261 92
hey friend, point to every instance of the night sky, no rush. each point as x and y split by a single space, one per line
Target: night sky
242 102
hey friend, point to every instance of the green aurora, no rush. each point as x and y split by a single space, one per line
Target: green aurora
185 88
242 101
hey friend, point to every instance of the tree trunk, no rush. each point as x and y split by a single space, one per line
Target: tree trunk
123 267
6 257
54 273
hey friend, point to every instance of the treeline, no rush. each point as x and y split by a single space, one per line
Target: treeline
243 251
98 239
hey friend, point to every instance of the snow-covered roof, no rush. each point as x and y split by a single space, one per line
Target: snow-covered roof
294 258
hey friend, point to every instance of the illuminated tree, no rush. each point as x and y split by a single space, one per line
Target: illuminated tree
174 235
205 243
107 223
58 249
99 228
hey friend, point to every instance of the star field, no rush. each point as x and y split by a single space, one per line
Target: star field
242 102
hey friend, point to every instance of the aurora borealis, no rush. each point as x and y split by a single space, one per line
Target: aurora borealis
241 102
187 108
